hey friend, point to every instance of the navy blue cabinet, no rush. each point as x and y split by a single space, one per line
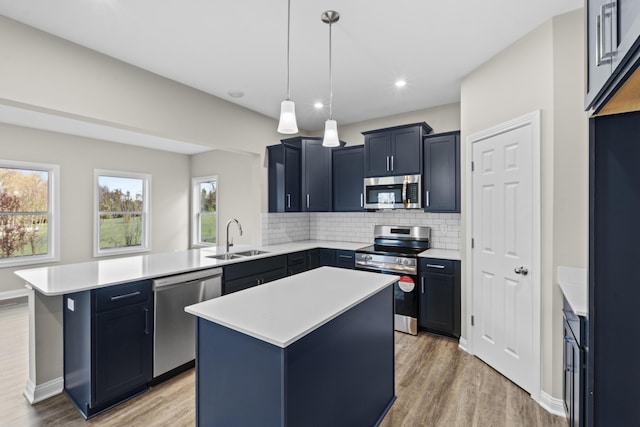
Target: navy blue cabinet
348 179
108 345
439 302
441 175
573 391
247 274
328 257
394 151
296 262
614 202
345 259
284 178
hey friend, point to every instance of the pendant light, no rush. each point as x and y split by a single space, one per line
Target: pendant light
287 122
330 126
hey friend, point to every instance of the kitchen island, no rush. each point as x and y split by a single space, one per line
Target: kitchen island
316 348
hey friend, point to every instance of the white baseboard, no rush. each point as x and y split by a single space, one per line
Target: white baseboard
35 394
551 404
6 295
462 345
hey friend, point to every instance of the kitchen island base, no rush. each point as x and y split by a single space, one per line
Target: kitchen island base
340 374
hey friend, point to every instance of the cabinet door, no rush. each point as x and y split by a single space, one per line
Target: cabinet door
345 259
442 173
291 179
567 383
405 151
328 257
348 179
123 350
296 262
235 285
316 177
436 302
377 152
313 259
270 276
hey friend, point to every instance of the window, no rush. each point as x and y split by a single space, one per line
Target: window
204 222
28 213
122 212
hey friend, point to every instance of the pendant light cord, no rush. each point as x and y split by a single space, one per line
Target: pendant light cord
288 43
330 77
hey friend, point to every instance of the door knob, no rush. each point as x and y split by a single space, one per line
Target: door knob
521 270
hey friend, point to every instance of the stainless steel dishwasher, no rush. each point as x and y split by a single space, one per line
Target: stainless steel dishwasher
174 332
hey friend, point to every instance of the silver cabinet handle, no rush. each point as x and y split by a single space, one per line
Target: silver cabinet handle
289 200
307 201
435 266
361 200
604 55
146 321
521 270
131 295
392 162
346 256
422 284
427 194
387 163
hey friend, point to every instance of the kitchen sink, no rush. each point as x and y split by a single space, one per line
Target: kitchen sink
226 256
251 252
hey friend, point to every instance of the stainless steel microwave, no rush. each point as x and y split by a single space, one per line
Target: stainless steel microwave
393 192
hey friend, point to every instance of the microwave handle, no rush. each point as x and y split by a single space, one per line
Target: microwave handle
404 193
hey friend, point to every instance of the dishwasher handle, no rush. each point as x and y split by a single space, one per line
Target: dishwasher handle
170 282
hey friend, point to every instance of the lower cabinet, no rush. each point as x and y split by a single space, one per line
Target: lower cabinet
439 303
328 257
573 390
108 345
296 262
345 259
247 274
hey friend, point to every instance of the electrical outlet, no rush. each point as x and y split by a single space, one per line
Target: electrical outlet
443 228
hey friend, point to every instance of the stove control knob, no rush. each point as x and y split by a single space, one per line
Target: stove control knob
367 258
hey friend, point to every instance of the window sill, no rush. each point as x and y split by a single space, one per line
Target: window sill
24 262
119 251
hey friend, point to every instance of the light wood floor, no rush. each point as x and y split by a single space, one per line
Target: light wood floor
436 384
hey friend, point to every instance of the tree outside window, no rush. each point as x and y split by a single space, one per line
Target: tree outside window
27 219
122 201
205 211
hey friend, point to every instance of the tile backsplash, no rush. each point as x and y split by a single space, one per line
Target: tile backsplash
356 226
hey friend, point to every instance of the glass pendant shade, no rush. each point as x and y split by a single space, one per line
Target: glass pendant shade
288 117
331 134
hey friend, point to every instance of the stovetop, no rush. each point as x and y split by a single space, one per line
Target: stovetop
391 250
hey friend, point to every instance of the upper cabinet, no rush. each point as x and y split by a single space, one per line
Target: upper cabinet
441 178
284 178
613 32
348 179
300 176
394 151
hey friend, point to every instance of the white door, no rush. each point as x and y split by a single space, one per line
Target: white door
502 273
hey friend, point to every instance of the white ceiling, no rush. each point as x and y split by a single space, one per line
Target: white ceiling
220 46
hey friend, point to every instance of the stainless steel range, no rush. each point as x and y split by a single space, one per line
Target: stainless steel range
395 251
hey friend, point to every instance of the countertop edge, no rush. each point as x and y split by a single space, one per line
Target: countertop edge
573 284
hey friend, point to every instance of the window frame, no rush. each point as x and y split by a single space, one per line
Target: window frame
195 211
145 241
53 213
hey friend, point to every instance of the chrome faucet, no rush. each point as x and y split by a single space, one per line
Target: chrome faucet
239 228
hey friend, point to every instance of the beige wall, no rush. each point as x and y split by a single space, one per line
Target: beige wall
542 71
77 158
240 185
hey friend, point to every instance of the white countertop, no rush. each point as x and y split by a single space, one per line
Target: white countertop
573 283
283 311
441 253
69 278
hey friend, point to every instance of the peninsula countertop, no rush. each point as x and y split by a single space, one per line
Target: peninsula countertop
283 311
69 278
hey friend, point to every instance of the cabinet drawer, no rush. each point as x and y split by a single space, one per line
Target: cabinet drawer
345 259
118 296
254 267
440 266
297 258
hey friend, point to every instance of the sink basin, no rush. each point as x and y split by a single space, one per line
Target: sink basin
226 256
251 252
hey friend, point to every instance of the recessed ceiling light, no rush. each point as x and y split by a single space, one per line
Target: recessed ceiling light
401 83
318 105
235 93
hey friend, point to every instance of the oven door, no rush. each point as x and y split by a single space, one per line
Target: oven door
393 192
405 293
